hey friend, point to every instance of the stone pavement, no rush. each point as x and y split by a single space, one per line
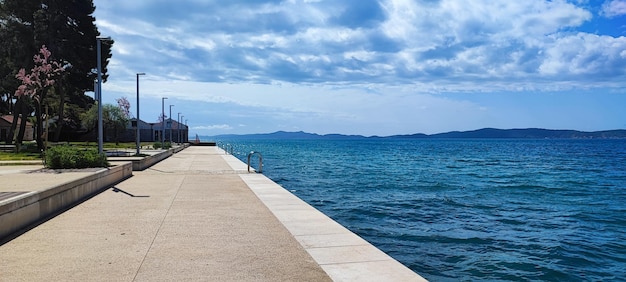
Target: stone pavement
196 216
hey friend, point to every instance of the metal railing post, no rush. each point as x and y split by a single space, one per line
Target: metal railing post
260 161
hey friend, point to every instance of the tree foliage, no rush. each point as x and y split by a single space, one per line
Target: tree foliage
35 84
68 30
124 105
114 119
162 117
41 76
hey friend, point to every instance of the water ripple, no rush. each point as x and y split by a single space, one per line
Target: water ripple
470 210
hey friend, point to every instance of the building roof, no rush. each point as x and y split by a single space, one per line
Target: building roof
175 125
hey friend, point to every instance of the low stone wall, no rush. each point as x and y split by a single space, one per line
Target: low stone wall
32 207
180 148
148 161
141 163
204 144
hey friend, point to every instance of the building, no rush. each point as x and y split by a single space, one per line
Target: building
145 131
178 131
151 132
5 127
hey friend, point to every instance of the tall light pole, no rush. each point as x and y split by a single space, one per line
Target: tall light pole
178 128
182 133
96 93
99 57
170 123
163 121
186 131
138 138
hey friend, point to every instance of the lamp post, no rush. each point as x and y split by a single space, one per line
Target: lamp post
186 131
138 138
95 89
96 93
170 123
163 121
99 58
178 128
182 133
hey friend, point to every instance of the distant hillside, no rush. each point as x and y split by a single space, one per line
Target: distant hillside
528 133
287 135
532 133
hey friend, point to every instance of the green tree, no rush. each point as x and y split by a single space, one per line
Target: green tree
8 82
114 120
16 53
68 29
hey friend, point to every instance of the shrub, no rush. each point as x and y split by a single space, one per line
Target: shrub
68 157
159 145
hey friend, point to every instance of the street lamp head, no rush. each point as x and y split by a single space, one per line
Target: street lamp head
141 73
104 38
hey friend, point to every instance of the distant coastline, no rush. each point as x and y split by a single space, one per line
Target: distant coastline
527 133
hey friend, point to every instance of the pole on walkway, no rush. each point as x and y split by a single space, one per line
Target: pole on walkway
163 121
137 130
170 123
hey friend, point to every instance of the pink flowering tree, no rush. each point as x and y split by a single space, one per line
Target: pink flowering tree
123 104
34 88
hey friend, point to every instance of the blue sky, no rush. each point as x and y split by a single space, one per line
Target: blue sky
370 67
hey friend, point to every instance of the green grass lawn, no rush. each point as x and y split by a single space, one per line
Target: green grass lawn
7 156
30 152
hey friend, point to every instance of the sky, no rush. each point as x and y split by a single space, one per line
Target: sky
369 67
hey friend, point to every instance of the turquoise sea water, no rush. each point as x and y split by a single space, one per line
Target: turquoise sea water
468 210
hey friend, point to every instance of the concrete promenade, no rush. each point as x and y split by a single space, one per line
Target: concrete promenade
196 216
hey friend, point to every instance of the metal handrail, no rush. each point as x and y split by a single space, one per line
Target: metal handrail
226 147
260 161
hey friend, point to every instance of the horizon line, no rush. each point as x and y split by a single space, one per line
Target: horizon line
408 134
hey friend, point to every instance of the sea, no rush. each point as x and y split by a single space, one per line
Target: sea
467 209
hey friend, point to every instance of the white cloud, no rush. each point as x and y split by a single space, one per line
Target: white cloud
212 127
404 19
583 53
426 41
614 8
328 62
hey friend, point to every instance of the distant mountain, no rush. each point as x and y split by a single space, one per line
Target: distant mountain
528 133
531 133
287 135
